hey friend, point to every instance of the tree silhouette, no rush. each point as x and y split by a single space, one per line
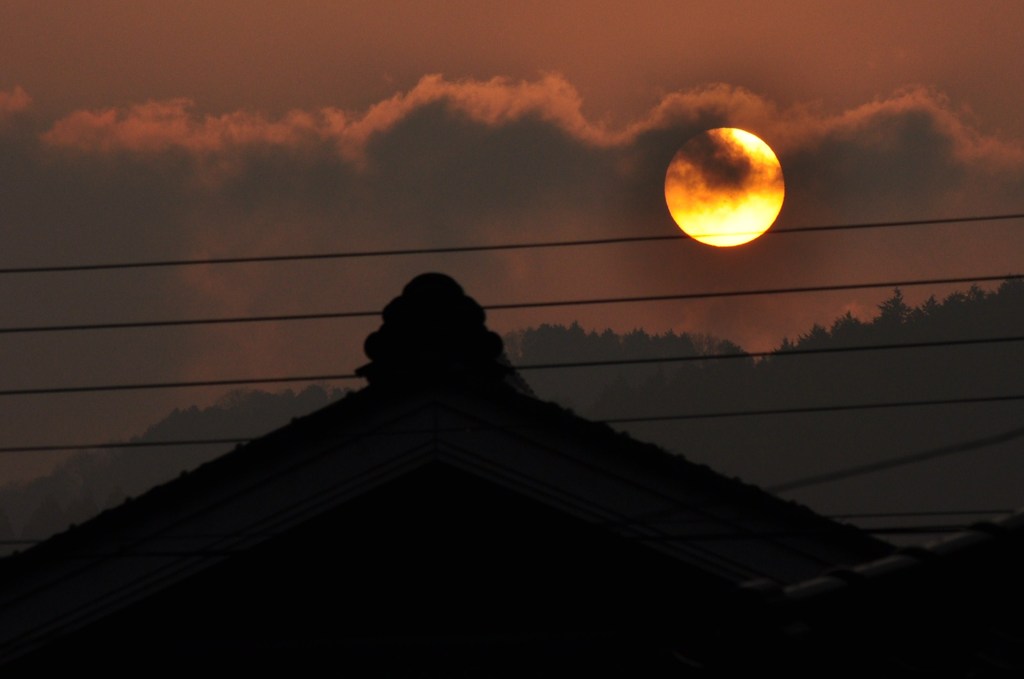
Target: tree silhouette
893 311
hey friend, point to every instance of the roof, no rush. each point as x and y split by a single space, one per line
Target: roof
947 608
441 408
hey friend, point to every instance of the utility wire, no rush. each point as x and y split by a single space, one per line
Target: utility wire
328 377
355 254
657 518
923 513
879 515
773 353
513 305
769 535
129 444
874 515
893 463
186 322
816 409
694 537
174 385
970 445
752 292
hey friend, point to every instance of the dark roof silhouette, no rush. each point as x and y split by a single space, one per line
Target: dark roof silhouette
949 608
439 520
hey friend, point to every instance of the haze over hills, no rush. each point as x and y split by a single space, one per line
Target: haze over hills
777 449
766 450
92 481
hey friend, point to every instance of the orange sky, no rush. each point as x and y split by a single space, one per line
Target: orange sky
138 129
273 56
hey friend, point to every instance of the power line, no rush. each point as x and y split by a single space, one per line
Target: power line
655 519
578 364
769 535
187 321
329 377
175 385
884 465
752 292
456 249
627 420
514 305
128 444
815 409
772 354
923 513
879 515
684 537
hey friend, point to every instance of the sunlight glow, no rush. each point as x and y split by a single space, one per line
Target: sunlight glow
724 187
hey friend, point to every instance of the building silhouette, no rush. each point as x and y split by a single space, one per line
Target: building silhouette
443 521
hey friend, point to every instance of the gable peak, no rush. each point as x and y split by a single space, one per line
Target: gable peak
433 332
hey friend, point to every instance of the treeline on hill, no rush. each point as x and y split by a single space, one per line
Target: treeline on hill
92 481
579 388
774 449
764 450
630 390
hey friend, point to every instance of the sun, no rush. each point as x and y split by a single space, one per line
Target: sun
724 187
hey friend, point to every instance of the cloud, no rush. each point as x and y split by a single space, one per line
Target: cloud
15 101
495 102
893 121
913 143
716 105
159 126
712 161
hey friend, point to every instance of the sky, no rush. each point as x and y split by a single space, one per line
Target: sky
149 130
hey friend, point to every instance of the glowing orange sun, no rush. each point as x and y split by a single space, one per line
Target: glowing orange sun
724 187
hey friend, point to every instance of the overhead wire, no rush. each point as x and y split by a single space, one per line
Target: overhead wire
689 358
753 292
143 386
794 351
455 249
893 463
767 535
923 513
999 438
118 445
835 516
696 537
815 409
